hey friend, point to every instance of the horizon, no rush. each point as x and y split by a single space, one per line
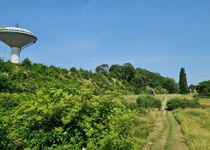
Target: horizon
160 36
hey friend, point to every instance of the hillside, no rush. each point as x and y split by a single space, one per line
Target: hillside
45 107
29 77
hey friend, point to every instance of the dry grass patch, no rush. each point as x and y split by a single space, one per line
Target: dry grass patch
204 102
196 127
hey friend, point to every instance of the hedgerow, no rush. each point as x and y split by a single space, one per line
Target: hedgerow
182 103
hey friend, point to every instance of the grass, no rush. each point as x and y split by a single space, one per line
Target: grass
170 136
131 98
161 132
144 122
195 124
140 130
204 102
148 102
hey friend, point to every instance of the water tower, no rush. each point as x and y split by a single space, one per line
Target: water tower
18 39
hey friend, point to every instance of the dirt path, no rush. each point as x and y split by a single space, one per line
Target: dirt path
167 132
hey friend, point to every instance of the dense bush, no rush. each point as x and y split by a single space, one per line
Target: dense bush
45 107
170 85
148 102
182 103
4 83
26 63
55 119
203 88
159 90
148 91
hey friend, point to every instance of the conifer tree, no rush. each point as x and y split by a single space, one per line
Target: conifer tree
183 87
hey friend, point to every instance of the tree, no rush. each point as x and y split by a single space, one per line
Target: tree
183 87
125 72
116 71
192 88
170 85
203 88
128 72
26 63
103 69
4 82
137 82
6 66
73 69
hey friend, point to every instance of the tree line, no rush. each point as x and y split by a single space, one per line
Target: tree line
124 77
138 79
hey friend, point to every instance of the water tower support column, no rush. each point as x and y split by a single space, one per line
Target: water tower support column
15 55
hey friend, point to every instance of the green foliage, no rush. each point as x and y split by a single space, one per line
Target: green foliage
26 63
73 69
103 69
196 125
136 79
46 107
4 82
182 103
8 104
183 87
148 102
155 80
128 72
6 66
116 71
159 90
170 85
203 88
55 119
192 88
148 91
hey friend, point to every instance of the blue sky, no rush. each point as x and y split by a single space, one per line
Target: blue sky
158 35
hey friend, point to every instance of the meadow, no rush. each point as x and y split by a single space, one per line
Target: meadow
195 125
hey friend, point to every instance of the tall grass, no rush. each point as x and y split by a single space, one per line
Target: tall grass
148 102
170 136
196 127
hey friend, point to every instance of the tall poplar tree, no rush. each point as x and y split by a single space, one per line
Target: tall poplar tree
183 87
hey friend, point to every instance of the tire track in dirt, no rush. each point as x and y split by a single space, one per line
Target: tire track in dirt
167 132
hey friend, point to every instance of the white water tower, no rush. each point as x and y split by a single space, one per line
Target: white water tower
18 39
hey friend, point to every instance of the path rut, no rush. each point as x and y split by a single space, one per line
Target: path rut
167 133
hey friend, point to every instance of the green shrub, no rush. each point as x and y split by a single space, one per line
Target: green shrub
55 119
182 103
148 102
203 88
45 107
4 82
160 90
148 91
26 63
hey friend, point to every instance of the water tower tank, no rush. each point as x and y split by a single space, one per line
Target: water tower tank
18 39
